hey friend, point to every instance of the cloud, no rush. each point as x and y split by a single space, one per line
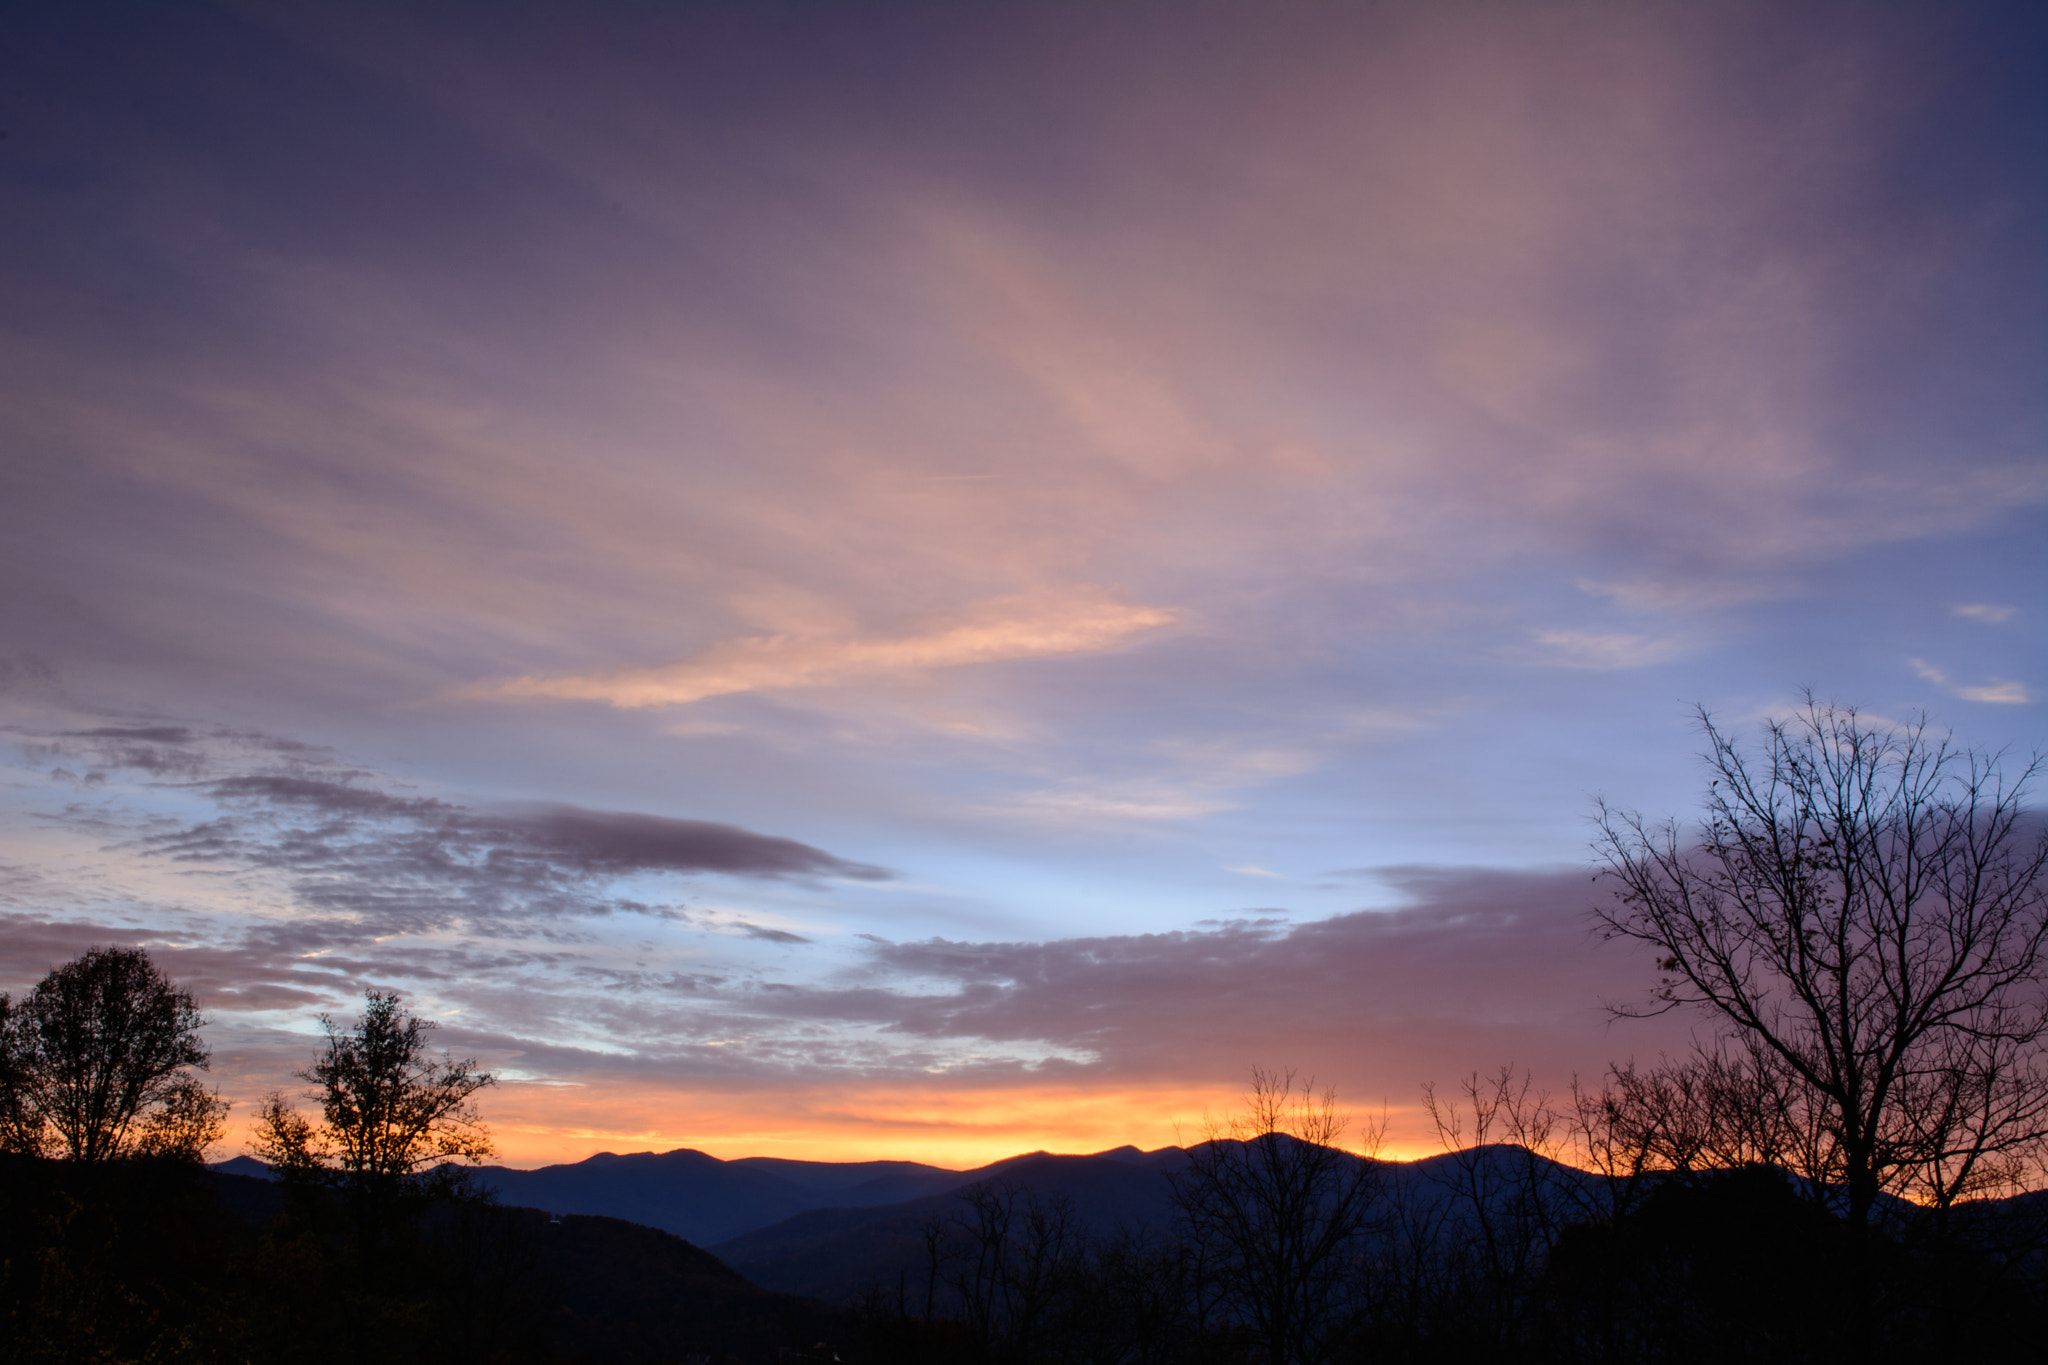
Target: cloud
1999 691
326 796
1093 803
330 434
1679 595
26 673
1192 778
1474 955
504 923
421 864
152 734
1606 651
1985 612
562 838
1477 967
1480 967
1084 620
353 858
1929 672
165 749
157 749
770 935
616 842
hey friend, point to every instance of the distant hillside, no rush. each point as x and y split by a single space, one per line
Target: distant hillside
826 1228
836 1253
833 1253
702 1199
696 1196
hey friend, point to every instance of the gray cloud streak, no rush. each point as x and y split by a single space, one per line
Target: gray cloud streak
385 861
1483 965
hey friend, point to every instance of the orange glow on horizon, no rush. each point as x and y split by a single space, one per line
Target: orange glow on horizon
539 1125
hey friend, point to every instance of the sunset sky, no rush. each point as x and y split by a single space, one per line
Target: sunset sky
934 580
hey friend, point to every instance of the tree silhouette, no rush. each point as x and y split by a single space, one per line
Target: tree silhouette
1011 1261
392 1120
1276 1206
1865 912
96 1064
1864 915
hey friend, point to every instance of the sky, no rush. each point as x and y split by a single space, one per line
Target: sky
932 581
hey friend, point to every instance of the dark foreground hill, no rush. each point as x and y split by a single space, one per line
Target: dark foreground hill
1478 1255
628 1293
139 1261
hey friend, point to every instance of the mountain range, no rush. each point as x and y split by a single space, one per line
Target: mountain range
830 1230
827 1230
701 1198
707 1201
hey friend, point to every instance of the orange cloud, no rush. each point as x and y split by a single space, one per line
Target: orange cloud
1083 620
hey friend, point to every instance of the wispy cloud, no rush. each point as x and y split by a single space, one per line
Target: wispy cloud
425 865
1141 801
378 859
1928 671
1984 611
1476 964
1678 595
1605 651
1189 779
1083 620
1997 691
1472 965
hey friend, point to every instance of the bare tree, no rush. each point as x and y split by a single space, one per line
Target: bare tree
1012 1260
1732 1103
393 1119
1864 911
1140 1301
390 1111
1509 1191
96 1064
1276 1204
